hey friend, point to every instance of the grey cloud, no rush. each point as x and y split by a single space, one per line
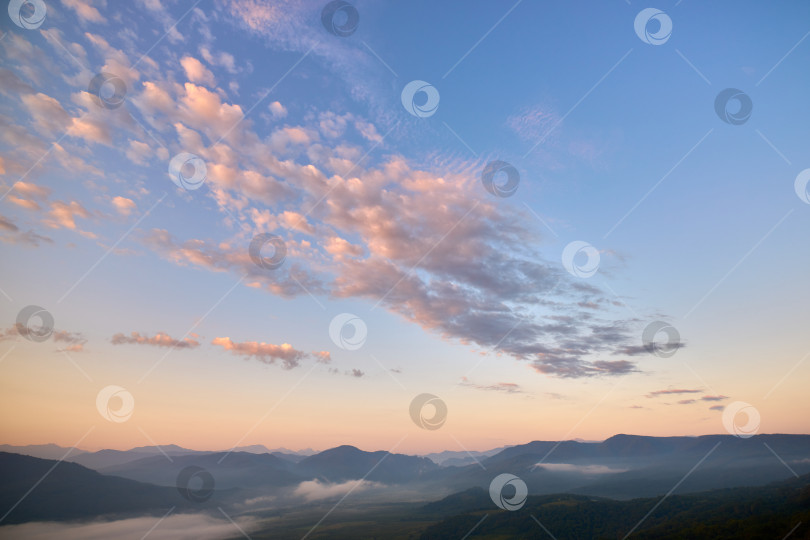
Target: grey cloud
509 388
15 236
675 391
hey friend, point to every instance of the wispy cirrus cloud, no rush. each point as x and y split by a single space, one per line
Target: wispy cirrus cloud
161 339
535 122
509 388
673 391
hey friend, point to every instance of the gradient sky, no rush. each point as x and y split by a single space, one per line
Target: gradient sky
384 216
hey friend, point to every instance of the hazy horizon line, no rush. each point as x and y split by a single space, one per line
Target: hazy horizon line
460 450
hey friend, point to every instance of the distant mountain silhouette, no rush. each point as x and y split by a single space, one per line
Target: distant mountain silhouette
143 480
627 466
452 458
230 470
109 458
621 467
348 463
44 451
638 446
71 491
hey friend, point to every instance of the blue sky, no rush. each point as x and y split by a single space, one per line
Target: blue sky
464 294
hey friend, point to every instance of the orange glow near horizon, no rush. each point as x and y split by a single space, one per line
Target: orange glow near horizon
40 408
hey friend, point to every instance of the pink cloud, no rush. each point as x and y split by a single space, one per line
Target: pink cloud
24 203
278 110
426 242
196 72
123 205
265 352
85 10
47 113
64 214
29 189
161 339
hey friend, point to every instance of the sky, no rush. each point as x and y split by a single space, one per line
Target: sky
283 223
